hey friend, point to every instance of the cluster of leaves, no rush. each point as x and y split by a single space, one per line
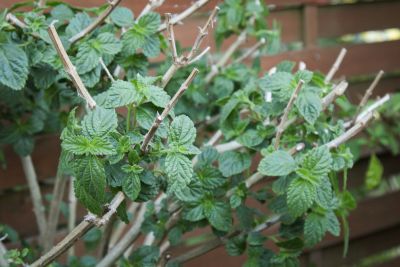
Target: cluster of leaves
102 146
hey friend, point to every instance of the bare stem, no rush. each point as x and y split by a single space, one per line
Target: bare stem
150 134
72 212
151 5
336 65
103 65
337 91
125 242
368 93
70 68
178 18
112 5
285 116
89 222
54 213
171 38
38 207
250 51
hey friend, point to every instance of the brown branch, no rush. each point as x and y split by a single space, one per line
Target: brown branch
337 91
178 18
182 61
159 118
112 4
281 126
171 38
70 68
151 5
368 94
17 22
250 51
54 213
89 222
36 195
336 65
125 242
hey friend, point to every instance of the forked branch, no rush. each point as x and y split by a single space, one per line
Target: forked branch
70 68
159 118
336 65
281 126
112 4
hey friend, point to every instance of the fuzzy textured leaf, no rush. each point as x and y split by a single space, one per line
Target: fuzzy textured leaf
14 66
278 163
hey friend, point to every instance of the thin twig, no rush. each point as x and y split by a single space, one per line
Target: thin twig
150 134
125 242
17 22
3 252
281 126
72 202
378 103
55 207
36 195
233 145
178 18
336 65
103 65
150 6
87 224
102 248
368 94
250 51
182 61
70 68
112 4
337 91
171 37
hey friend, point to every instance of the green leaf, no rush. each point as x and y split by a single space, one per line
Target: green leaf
24 145
300 196
87 58
108 44
81 145
14 66
279 83
179 170
235 246
157 96
121 93
77 24
92 204
324 193
314 229
309 105
62 13
194 214
90 173
278 163
131 186
145 117
143 35
182 131
231 163
316 164
99 122
210 177
122 17
292 244
333 225
219 215
374 173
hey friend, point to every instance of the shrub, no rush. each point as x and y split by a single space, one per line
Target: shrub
181 148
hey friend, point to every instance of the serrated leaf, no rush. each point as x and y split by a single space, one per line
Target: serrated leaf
131 186
182 131
219 215
314 229
210 177
324 193
194 214
333 225
99 122
62 12
87 58
81 145
231 163
77 24
122 16
145 118
92 204
279 83
121 93
108 44
156 95
300 196
90 173
374 173
179 170
309 105
14 66
278 163
316 164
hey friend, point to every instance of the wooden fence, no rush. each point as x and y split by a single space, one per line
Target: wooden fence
375 224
